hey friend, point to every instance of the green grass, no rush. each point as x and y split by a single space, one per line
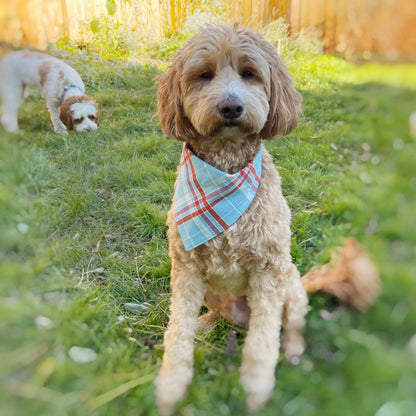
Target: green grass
82 233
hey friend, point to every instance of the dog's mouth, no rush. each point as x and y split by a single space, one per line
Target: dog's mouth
230 124
231 129
226 128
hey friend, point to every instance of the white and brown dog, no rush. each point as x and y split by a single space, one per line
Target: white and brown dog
59 83
225 92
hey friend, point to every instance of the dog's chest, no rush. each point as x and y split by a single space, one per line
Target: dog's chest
228 279
227 263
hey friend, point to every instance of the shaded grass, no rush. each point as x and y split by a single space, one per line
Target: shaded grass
82 233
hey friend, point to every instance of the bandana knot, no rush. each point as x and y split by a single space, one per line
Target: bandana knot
208 201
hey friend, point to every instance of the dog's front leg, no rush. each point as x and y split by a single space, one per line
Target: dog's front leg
177 366
261 347
58 126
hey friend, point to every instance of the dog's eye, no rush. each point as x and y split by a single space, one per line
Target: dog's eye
78 120
92 118
247 74
207 75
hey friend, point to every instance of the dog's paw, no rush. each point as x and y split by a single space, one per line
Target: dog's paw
63 132
170 388
293 344
207 322
256 401
258 392
10 127
258 387
165 408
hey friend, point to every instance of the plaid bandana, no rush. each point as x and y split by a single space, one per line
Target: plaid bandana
208 201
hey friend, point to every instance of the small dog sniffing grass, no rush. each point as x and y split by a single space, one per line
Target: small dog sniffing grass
59 83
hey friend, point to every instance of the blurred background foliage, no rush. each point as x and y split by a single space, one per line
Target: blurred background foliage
355 29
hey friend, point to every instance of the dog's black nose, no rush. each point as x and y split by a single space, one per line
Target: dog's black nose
231 108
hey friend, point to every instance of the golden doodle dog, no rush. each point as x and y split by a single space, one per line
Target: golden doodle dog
229 234
58 82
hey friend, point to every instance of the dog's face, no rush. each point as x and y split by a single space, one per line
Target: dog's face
227 83
79 113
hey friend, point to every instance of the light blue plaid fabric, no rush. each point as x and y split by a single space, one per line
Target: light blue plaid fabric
208 201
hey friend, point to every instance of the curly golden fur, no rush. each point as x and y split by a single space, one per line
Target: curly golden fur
225 91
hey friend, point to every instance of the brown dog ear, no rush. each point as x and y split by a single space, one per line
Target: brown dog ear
169 103
284 99
65 115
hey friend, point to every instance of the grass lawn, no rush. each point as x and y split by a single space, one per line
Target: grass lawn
84 259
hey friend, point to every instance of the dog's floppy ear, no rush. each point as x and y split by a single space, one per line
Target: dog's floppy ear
169 103
284 99
65 115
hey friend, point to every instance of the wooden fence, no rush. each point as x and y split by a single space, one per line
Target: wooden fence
384 27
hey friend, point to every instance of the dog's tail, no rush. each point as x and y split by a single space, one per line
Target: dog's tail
350 275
